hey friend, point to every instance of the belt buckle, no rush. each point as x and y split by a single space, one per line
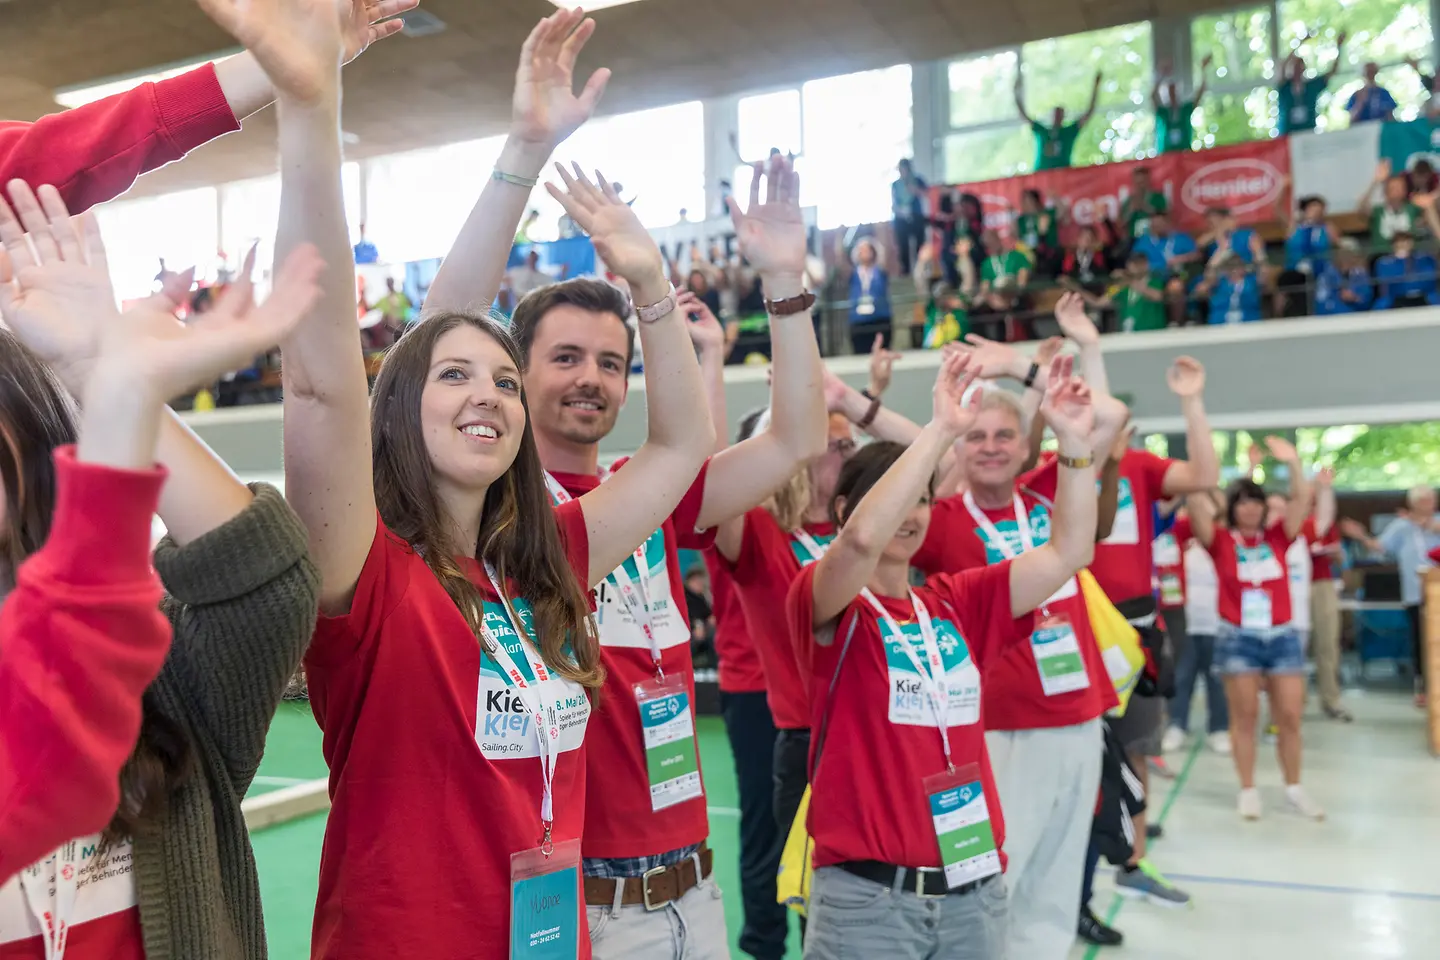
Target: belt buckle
645 887
920 873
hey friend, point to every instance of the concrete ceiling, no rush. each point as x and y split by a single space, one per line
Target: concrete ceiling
412 92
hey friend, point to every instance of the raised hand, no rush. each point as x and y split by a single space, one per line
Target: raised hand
363 24
624 245
1048 351
951 408
1186 377
1325 477
1067 406
1122 442
1282 450
882 364
836 390
772 234
546 109
299 43
1074 322
1256 456
991 360
705 330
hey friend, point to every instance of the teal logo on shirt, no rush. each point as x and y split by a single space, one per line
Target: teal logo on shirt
953 649
802 554
1010 530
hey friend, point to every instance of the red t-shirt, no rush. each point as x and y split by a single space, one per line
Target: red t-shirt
1322 564
769 561
868 783
1169 556
619 820
435 771
740 670
1122 564
1014 697
1262 565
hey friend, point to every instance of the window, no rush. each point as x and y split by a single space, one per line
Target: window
857 128
1383 31
419 200
988 154
769 121
1240 104
982 89
180 228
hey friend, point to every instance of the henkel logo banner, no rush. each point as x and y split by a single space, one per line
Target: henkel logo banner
1246 177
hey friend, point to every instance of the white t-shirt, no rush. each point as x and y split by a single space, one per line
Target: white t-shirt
1202 592
1298 563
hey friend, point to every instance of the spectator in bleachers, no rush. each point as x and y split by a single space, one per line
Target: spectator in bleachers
698 283
1086 266
869 297
1372 101
1309 240
1233 287
1056 142
1003 277
1174 131
1406 277
970 225
1138 299
1422 179
1223 235
1343 284
1143 202
1299 95
1427 83
1169 251
1038 227
908 202
1397 212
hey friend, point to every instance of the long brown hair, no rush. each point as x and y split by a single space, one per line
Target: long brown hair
518 532
37 416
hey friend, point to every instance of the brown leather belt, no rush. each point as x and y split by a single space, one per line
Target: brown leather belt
656 888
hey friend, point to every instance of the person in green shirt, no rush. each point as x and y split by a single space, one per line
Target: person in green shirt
1173 130
1396 213
1138 300
1004 274
1142 203
1299 95
1038 229
1054 143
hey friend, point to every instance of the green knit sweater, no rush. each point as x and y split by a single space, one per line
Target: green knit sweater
243 600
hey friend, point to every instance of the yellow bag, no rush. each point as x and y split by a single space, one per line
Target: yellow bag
792 883
1119 643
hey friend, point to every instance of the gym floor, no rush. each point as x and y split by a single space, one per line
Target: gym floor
1361 885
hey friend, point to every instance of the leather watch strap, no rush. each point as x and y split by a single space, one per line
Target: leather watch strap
790 305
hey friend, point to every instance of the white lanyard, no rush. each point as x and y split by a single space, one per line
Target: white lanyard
529 697
634 594
867 277
812 547
1083 259
1235 291
1254 567
998 265
1168 251
1022 522
53 915
934 680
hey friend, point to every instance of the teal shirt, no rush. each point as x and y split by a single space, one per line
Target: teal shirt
1298 113
1053 145
1173 131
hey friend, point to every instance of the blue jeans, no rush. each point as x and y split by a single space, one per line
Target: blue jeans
1197 659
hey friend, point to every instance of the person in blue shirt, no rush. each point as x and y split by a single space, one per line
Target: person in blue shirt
1343 284
869 297
1223 235
1233 289
1372 101
1405 278
1309 241
1169 251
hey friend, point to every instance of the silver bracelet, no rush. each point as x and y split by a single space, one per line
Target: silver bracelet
519 181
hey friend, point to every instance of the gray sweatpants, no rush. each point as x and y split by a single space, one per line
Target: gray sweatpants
1048 781
852 918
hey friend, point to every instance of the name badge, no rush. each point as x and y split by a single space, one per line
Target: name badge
1057 655
962 825
866 306
1126 528
1176 137
545 903
1255 610
1234 316
1171 593
1299 114
669 726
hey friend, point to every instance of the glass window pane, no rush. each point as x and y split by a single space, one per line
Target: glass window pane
857 128
770 121
1059 72
1386 31
249 214
1117 133
419 200
1223 118
1240 43
982 89
988 154
180 228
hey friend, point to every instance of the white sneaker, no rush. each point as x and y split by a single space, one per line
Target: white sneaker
1173 740
1299 802
1219 741
1249 804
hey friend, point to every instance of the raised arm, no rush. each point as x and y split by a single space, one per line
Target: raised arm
1201 510
1339 55
1094 99
1298 506
849 563
771 236
1325 506
1036 574
1076 324
1204 77
621 513
709 338
1201 471
1020 98
545 111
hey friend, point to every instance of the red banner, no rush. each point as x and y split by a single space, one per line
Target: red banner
1246 177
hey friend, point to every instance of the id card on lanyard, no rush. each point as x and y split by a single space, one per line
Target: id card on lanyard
1255 565
1054 642
544 880
49 888
1235 314
958 810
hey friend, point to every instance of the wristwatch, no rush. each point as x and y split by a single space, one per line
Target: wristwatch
1030 377
663 307
1075 463
790 305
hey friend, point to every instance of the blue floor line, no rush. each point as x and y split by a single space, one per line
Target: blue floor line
1304 887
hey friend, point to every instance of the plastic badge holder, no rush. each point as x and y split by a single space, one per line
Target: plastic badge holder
669 728
962 825
545 903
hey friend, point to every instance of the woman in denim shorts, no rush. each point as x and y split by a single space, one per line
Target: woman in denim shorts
1257 646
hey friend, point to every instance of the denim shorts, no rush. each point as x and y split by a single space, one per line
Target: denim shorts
1240 651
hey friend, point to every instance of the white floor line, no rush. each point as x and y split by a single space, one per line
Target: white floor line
724 811
265 781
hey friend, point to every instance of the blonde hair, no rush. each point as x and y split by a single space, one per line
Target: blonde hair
789 504
998 398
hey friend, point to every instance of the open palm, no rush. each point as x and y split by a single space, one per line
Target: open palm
622 242
364 26
772 234
1067 406
546 109
299 43
952 410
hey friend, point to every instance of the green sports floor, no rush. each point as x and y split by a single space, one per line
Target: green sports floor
289 854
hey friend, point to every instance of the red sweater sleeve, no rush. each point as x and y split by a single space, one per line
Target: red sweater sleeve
81 637
95 152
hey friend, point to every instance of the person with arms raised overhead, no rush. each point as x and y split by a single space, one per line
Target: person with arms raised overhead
1298 94
648 883
1173 130
1055 143
167 871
